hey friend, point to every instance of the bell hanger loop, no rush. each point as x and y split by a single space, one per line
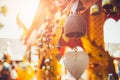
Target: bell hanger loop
75 49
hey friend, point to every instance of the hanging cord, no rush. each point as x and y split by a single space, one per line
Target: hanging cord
68 8
77 7
74 6
75 44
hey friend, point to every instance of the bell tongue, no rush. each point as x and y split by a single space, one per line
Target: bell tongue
76 62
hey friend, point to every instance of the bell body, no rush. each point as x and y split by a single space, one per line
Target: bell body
94 9
108 4
75 26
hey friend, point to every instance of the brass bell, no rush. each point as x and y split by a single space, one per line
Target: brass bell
94 10
108 4
75 26
114 10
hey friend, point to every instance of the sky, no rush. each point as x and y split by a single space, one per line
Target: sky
24 8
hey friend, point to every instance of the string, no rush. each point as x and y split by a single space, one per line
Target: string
75 43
